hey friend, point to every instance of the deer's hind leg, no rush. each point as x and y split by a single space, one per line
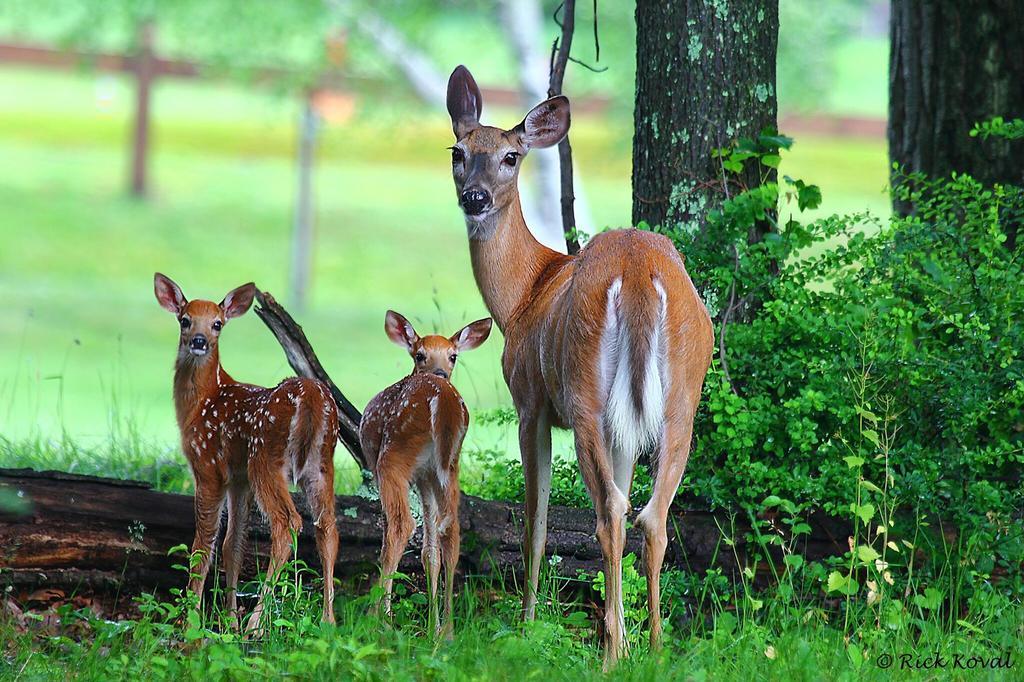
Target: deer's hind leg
431 554
672 456
450 546
610 506
319 488
271 490
394 471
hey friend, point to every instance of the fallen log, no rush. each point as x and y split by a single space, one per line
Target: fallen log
106 536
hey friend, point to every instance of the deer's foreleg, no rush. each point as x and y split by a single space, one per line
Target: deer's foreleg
239 505
535 450
209 499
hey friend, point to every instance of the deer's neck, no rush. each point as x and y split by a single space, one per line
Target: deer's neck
508 264
196 380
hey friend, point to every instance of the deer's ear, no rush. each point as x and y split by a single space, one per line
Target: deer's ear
168 294
464 102
400 330
238 300
472 335
546 124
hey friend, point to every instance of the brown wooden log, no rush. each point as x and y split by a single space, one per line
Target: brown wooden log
306 364
96 535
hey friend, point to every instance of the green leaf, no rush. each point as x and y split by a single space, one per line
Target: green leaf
794 561
771 160
867 554
970 626
872 436
868 485
853 461
930 600
837 582
856 656
865 511
867 414
773 138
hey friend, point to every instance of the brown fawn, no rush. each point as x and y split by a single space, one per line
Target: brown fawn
243 440
411 432
613 343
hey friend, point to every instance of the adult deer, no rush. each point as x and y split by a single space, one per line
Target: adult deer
243 440
613 343
412 431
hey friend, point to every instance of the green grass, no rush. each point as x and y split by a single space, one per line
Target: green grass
85 343
861 82
716 629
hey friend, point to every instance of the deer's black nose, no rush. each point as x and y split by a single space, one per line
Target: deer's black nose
441 373
475 201
198 342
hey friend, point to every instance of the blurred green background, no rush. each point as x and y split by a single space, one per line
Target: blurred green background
85 349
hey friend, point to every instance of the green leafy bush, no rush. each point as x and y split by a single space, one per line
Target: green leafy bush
821 324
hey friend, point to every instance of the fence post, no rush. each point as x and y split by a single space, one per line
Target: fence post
143 68
302 232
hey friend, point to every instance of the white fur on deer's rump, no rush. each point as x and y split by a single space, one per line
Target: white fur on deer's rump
628 432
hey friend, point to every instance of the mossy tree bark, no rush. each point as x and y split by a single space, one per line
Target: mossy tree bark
705 76
952 64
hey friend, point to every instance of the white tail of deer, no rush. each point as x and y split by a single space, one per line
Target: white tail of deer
243 441
412 432
613 343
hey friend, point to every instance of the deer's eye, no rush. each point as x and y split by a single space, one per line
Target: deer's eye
510 159
185 323
420 357
457 155
452 358
217 325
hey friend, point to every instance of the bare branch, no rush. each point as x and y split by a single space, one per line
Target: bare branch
306 364
560 57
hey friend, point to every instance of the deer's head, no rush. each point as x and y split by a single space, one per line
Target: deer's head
200 321
435 354
486 160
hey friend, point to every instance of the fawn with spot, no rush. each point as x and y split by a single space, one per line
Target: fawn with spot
243 441
412 432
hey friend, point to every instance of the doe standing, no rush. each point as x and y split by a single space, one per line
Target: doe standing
613 343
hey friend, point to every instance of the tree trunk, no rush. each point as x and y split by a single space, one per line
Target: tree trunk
524 25
429 84
705 75
107 537
952 64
